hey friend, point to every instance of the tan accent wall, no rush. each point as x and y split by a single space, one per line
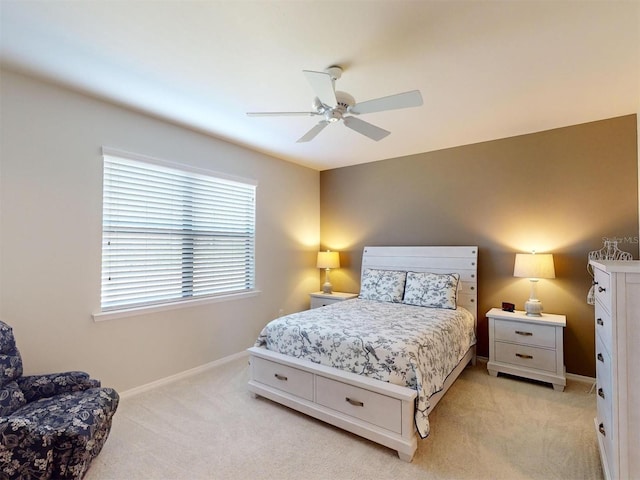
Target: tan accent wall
559 191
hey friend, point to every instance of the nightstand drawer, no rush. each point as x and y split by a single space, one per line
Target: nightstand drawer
525 333
323 302
289 379
363 404
320 299
526 356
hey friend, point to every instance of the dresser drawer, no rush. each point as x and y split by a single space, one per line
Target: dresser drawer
525 333
604 418
602 288
526 356
604 385
603 361
603 325
288 379
606 436
363 404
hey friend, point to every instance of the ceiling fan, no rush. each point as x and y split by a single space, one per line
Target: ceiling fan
334 106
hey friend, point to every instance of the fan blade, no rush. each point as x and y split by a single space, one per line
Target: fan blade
281 114
322 84
392 102
365 128
311 134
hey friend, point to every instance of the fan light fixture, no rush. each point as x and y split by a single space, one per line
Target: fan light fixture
534 266
328 260
334 106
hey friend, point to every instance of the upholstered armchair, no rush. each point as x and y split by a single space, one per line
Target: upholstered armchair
51 426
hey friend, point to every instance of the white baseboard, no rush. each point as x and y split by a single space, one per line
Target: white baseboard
181 375
221 361
580 378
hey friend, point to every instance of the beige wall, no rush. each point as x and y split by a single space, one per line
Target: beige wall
558 191
50 198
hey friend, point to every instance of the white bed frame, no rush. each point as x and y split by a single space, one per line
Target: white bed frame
376 410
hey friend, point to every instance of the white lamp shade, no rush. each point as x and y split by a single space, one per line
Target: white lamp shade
534 265
328 259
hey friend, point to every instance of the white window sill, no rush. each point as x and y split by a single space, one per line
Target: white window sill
132 312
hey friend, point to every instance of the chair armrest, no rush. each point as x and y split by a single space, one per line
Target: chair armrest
42 386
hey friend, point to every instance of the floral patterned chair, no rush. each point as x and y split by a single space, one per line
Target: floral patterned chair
51 426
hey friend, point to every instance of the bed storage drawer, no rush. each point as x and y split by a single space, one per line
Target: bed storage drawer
525 356
282 377
360 403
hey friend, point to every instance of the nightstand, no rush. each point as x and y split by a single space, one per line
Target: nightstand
320 299
525 346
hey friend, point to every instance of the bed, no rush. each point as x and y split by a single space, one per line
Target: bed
389 356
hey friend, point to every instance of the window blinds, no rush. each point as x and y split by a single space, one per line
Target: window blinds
171 235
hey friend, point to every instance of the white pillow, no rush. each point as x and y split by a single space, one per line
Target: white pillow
382 285
432 290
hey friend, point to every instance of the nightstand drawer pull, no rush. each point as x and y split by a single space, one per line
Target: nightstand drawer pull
600 357
600 322
602 289
522 355
355 403
280 377
526 334
601 429
601 393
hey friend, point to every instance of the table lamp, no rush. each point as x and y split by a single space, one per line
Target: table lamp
534 266
328 260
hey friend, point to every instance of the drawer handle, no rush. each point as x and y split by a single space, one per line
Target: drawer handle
600 322
280 377
602 289
355 403
525 334
601 429
601 392
522 355
600 357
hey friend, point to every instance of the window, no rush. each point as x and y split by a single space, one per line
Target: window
170 235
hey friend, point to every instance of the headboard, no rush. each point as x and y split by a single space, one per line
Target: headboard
461 260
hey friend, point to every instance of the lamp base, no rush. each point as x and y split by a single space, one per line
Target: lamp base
533 307
327 288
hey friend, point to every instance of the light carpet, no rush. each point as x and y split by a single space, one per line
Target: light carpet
208 426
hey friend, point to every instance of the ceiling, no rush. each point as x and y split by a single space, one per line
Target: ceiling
486 70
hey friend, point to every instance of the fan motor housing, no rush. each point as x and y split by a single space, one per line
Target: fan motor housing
344 101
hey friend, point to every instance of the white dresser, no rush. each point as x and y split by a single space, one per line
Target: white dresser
617 316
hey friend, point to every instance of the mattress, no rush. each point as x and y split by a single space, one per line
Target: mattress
406 345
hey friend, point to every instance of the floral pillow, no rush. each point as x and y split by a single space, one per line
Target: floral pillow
382 285
432 290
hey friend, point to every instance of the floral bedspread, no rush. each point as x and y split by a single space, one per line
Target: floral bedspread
402 344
